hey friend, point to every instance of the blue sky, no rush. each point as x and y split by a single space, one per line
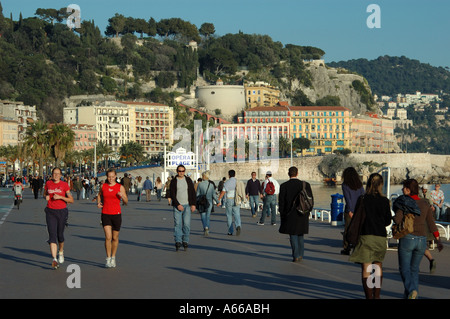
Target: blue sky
416 29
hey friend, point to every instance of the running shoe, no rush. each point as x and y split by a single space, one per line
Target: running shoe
113 262
108 262
55 264
61 257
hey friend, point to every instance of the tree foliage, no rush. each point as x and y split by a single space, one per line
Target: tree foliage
389 75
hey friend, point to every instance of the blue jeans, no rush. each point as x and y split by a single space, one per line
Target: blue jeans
205 216
158 193
297 245
182 224
410 252
254 200
269 208
232 210
438 211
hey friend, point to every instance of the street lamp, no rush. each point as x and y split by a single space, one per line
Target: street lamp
290 133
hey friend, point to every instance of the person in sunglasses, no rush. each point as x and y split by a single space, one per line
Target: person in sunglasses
183 199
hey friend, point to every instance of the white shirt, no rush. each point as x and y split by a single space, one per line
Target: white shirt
277 186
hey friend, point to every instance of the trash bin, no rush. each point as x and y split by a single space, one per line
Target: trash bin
337 208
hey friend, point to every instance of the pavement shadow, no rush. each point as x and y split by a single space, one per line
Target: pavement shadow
297 285
26 261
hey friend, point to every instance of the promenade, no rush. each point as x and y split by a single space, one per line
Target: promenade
253 266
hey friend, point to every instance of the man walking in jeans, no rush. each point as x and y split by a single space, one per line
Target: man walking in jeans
252 191
183 199
230 191
269 196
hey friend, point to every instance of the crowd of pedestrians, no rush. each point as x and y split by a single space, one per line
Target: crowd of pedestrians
183 195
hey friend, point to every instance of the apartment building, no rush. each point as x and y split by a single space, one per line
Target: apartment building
261 94
327 127
120 122
23 114
112 121
9 129
372 133
153 125
85 136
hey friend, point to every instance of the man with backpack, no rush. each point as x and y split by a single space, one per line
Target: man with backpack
270 190
294 211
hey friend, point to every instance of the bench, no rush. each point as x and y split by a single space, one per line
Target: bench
445 226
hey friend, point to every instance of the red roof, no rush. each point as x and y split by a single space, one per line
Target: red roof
298 108
141 103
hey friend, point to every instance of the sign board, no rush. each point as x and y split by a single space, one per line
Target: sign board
181 157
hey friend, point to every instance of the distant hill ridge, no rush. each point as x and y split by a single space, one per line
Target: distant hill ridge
389 75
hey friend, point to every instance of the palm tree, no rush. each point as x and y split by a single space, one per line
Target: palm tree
132 152
62 140
37 142
104 152
10 152
284 145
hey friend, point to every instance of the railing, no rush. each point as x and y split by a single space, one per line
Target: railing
320 213
127 169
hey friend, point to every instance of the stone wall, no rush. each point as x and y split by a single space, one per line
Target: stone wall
425 168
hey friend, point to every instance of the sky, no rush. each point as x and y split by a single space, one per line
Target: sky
417 29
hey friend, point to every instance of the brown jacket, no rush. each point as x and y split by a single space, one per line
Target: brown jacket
420 222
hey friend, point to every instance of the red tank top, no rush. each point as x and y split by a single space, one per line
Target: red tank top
111 203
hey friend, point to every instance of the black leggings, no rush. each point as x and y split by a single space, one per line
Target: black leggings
56 221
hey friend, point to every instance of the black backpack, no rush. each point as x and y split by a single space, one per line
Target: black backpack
303 202
202 202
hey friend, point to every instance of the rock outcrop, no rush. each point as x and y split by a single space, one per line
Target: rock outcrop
327 81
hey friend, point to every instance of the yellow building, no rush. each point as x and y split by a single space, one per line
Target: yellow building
261 94
9 131
327 127
373 134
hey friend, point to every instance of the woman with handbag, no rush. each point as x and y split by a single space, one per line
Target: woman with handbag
206 188
412 246
371 247
352 189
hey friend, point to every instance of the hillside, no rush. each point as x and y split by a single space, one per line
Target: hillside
392 75
389 75
43 62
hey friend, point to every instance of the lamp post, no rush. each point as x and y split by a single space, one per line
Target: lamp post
290 133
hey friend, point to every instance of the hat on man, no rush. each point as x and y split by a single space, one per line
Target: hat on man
269 173
424 186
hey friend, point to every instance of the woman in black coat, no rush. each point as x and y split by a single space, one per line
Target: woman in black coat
292 223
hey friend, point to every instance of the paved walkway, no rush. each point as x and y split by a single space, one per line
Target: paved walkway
255 265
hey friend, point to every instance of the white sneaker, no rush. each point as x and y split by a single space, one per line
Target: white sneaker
108 262
113 262
60 257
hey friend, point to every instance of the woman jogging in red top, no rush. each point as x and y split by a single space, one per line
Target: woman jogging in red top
109 201
57 194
